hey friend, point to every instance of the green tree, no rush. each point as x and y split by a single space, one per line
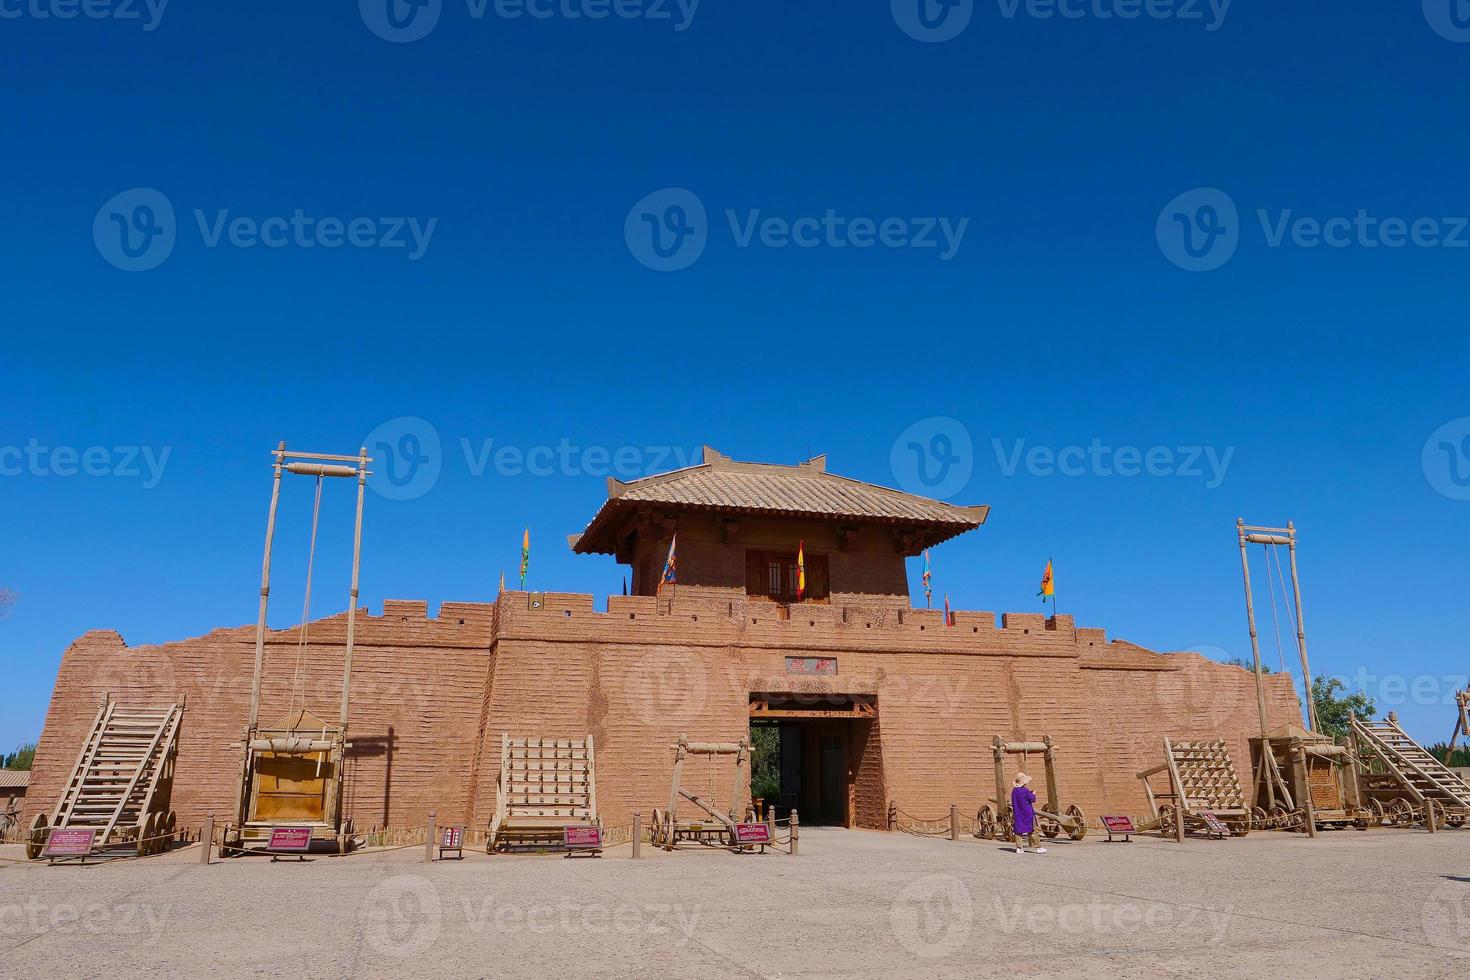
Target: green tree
1333 709
22 757
1245 664
765 763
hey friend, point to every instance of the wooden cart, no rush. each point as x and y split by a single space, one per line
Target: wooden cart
545 786
122 783
717 826
1202 785
1305 781
1052 820
1405 782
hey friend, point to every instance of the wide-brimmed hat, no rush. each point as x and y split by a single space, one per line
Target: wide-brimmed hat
1022 779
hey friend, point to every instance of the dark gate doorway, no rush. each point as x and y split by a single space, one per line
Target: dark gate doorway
807 757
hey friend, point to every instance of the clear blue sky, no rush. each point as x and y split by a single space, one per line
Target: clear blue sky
1064 317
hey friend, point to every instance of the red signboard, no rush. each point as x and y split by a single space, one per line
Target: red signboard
752 833
451 838
69 843
1214 823
1119 825
583 838
819 666
291 840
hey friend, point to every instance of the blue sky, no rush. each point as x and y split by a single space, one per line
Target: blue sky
1136 212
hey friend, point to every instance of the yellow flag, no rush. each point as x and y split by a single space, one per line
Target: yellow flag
1048 587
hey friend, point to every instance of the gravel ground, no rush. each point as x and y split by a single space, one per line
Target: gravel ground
854 903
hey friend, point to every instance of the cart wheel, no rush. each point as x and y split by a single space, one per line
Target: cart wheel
1050 829
986 819
1007 828
37 842
1166 820
1259 817
1376 816
1240 827
1455 820
1439 813
1401 812
144 843
655 826
1078 830
170 827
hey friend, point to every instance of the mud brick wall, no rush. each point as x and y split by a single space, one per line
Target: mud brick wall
431 697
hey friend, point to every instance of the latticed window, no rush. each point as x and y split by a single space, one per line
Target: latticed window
772 575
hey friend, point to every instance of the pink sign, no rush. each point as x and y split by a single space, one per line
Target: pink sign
1214 823
583 838
453 838
1119 825
69 843
290 839
752 833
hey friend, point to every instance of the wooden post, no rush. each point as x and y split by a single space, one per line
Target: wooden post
1178 822
795 832
998 747
206 838
1250 614
954 821
265 586
1301 627
1053 796
637 834
892 815
1429 815
429 840
362 461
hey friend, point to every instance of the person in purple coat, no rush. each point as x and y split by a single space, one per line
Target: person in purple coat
1023 815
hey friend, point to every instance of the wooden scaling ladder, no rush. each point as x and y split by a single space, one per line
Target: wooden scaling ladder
1421 775
1202 778
112 787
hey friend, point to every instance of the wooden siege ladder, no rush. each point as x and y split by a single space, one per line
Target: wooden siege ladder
1422 775
128 754
545 785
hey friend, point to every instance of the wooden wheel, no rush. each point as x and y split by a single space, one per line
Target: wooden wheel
170 827
1258 816
1166 820
1455 820
1240 826
986 819
656 825
145 842
1048 827
1439 812
1401 812
1078 830
37 841
1376 816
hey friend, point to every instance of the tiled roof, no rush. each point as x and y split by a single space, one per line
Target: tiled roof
11 778
807 489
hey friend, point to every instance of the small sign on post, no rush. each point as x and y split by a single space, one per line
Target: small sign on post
289 840
750 835
69 844
585 839
451 839
1214 824
1120 825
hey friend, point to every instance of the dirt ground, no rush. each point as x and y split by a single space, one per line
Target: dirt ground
853 903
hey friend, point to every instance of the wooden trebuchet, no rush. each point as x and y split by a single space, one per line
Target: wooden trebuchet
1202 784
1407 783
122 782
717 827
545 785
1052 819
